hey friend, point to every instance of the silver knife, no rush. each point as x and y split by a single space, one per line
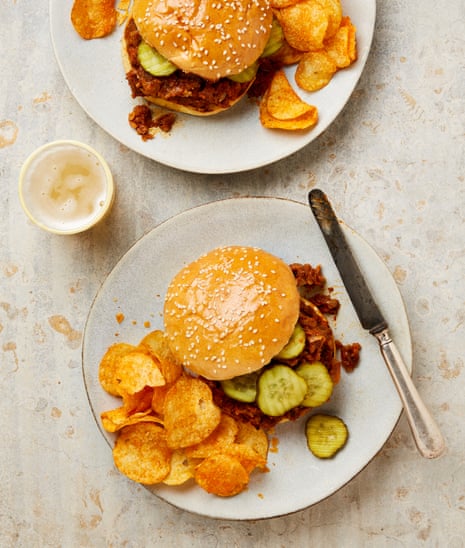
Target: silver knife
428 438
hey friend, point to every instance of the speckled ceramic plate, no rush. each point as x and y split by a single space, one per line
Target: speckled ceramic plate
136 288
230 142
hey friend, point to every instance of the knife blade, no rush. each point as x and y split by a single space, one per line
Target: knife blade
367 310
426 433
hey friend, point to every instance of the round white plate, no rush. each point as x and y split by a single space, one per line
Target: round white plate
136 288
230 142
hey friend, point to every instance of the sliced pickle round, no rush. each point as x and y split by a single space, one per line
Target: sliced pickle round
280 389
242 388
153 62
246 75
295 345
319 383
275 41
326 435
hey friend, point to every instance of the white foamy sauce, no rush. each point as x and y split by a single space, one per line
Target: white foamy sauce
65 187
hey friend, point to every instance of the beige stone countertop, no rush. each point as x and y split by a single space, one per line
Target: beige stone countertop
393 164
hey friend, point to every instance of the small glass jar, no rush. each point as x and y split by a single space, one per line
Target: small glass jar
66 187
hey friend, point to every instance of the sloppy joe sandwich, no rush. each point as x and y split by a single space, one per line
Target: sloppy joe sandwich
239 318
195 56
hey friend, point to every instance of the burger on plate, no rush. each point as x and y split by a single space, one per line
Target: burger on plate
196 56
235 316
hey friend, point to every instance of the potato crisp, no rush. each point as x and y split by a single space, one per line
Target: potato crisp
281 107
94 18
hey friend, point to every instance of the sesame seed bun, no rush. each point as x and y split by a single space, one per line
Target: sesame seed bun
231 311
210 38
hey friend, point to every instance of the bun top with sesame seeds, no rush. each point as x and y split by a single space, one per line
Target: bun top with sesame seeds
231 311
210 38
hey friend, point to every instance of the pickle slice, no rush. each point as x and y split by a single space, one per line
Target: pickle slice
295 345
279 390
276 39
242 388
319 383
153 62
326 434
246 75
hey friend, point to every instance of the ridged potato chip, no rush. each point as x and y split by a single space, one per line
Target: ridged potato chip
342 47
304 25
136 408
221 475
123 9
352 42
315 70
142 454
136 370
333 10
182 468
93 18
158 398
189 412
283 104
139 401
108 368
123 5
224 434
156 344
306 121
246 455
255 438
118 418
282 101
337 48
286 55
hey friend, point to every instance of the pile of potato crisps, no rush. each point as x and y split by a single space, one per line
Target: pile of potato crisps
169 429
321 41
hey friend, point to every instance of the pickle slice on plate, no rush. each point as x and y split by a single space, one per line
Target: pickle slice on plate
319 383
326 435
280 389
295 345
242 388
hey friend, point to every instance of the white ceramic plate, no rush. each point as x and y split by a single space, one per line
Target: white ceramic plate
231 142
136 288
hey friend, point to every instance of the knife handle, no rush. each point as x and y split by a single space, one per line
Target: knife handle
425 431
